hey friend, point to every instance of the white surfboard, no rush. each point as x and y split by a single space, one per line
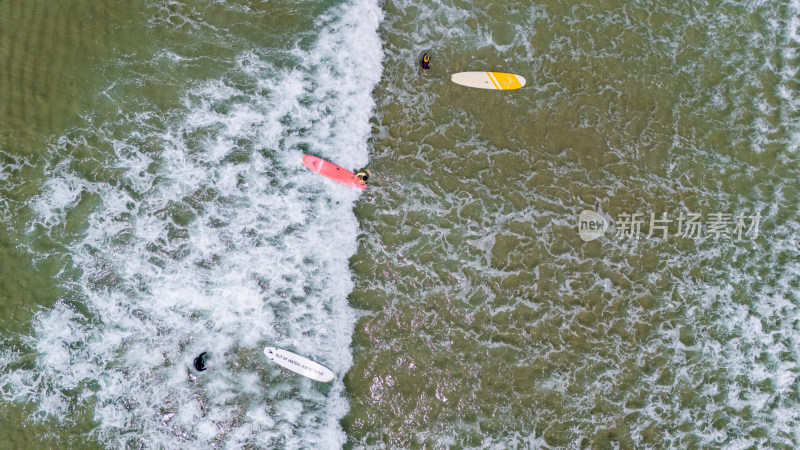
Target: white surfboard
488 80
299 364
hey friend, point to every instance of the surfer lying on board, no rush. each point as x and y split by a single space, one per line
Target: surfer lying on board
425 61
362 177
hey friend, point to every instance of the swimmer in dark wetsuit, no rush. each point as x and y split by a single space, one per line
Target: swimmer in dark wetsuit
425 61
199 364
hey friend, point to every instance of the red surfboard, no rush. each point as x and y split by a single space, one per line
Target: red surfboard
332 171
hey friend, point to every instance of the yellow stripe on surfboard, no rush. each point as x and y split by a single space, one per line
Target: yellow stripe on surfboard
504 81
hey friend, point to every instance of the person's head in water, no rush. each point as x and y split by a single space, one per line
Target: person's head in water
363 176
425 61
199 364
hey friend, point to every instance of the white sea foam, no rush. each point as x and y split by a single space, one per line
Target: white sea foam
193 251
743 362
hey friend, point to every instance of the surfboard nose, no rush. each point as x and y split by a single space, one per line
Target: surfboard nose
313 163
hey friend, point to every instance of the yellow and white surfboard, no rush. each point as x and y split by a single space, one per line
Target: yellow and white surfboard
489 80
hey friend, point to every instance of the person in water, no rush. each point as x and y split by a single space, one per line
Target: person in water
362 177
199 364
425 61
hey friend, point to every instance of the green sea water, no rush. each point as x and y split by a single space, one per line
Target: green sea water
484 319
64 68
493 323
53 60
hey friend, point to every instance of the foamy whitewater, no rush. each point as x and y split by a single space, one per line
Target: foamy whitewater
206 233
